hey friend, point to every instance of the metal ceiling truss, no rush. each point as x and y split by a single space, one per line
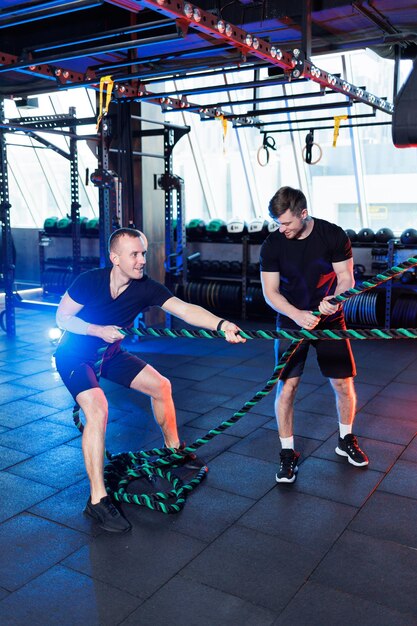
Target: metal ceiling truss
295 65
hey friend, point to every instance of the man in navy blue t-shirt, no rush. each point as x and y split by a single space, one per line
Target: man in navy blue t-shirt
303 264
92 311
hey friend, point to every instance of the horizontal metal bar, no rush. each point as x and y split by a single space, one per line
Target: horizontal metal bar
218 88
59 58
317 128
313 119
117 32
313 107
229 103
143 154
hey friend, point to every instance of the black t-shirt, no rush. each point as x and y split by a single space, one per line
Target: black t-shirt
305 265
92 290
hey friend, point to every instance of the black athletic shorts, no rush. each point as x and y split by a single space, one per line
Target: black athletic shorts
79 375
334 357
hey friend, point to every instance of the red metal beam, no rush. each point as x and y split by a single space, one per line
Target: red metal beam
293 62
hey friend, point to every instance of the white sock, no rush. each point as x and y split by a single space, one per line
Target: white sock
287 443
345 429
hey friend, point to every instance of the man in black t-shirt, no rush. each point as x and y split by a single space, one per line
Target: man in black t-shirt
92 311
303 264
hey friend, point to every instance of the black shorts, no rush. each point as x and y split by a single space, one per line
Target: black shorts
79 375
334 357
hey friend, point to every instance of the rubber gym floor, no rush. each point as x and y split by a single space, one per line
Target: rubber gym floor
339 546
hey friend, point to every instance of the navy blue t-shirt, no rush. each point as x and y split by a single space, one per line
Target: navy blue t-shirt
92 290
305 265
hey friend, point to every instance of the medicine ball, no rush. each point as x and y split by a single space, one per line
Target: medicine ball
409 236
92 226
366 235
50 225
351 234
272 226
258 230
236 228
383 235
216 230
195 229
64 225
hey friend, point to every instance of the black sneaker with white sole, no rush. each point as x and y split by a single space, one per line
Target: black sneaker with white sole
109 518
288 466
349 448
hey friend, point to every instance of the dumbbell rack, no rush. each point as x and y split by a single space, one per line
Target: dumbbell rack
249 284
391 304
58 272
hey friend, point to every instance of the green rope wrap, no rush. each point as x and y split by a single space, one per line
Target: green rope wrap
126 467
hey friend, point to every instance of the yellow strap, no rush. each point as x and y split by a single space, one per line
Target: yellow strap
224 125
104 80
337 120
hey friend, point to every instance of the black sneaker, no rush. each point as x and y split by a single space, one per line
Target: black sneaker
349 448
288 466
109 517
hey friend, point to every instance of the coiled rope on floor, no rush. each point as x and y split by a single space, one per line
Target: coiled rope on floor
125 467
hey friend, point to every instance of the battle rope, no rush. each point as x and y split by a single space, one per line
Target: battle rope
126 467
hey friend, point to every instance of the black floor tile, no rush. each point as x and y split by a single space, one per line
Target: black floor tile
139 562
375 570
264 444
60 467
37 437
214 447
205 607
410 453
23 412
241 475
257 373
58 398
41 381
382 455
18 494
237 561
199 401
401 391
26 368
318 605
299 518
220 383
311 425
394 408
195 371
11 391
247 424
66 507
384 428
340 482
207 513
389 517
33 545
402 480
6 377
62 596
9 457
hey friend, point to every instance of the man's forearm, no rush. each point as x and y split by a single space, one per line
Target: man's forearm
281 305
72 324
344 285
197 316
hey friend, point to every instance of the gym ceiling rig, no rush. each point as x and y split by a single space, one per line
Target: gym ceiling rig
295 65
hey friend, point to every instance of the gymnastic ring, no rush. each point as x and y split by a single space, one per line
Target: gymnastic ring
303 152
258 156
